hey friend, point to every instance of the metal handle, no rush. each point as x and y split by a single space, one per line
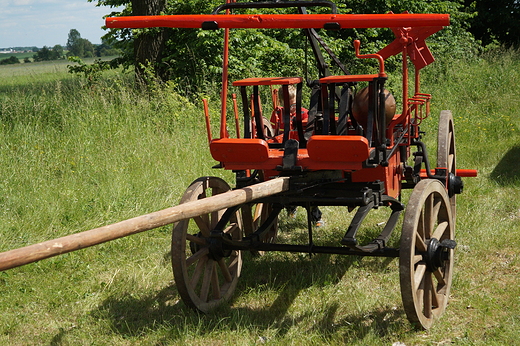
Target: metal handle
277 4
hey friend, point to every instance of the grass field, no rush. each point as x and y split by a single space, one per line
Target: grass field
20 56
75 157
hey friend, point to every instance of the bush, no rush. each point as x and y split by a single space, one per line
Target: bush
10 60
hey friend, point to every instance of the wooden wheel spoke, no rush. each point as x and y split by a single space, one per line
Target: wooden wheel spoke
206 280
435 296
429 216
233 262
428 292
205 185
451 163
440 230
231 228
419 274
215 191
225 270
419 243
215 286
437 203
265 212
215 216
195 239
204 188
199 268
247 219
197 255
202 222
439 276
417 259
257 218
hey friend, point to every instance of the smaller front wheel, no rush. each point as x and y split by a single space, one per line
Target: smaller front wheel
205 279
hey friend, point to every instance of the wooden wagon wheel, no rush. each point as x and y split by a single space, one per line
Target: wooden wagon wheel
446 157
204 279
253 216
426 253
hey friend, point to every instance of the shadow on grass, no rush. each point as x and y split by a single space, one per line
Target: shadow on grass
507 171
132 315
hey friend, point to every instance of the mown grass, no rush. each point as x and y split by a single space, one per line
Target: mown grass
74 158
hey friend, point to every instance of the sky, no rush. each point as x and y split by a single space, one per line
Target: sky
27 23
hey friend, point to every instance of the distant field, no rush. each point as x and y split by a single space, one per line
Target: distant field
37 71
20 56
34 71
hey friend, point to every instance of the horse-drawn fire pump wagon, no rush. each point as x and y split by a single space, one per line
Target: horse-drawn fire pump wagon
351 147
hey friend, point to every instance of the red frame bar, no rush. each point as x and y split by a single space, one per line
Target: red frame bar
268 81
282 21
348 78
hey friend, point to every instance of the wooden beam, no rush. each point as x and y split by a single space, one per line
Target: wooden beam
32 253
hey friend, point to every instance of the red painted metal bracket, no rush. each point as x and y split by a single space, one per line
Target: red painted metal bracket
413 40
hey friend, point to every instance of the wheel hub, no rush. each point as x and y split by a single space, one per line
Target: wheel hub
455 185
216 246
194 247
438 253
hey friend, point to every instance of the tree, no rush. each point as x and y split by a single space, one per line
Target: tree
79 46
495 20
43 54
74 36
106 49
149 44
143 48
46 54
57 52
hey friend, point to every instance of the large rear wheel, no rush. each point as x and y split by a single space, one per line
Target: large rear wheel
446 156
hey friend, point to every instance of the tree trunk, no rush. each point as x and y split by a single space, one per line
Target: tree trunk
148 46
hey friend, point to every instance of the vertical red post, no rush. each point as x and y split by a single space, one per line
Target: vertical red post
235 110
206 114
405 81
417 81
223 96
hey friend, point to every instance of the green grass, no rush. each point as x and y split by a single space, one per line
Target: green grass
20 56
74 158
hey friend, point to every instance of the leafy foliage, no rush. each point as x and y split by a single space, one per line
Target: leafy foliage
92 72
192 57
79 46
10 60
46 54
495 21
